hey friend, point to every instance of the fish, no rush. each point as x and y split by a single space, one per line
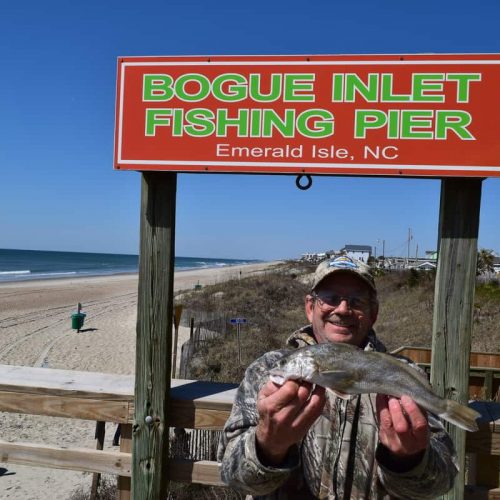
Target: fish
347 370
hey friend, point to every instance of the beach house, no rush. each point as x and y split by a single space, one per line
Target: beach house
360 252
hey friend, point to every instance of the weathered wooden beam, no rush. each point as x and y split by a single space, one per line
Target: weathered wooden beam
104 462
482 493
154 336
100 431
90 396
190 417
188 471
56 382
82 459
454 299
478 360
485 441
201 405
125 447
60 406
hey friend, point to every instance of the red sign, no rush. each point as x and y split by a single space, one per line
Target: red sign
418 115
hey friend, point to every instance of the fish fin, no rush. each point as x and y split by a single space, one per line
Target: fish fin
460 415
335 380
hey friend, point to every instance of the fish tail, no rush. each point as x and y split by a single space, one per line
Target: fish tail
460 415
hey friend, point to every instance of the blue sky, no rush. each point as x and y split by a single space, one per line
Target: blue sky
58 189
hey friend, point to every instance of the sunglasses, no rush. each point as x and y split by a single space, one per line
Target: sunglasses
327 301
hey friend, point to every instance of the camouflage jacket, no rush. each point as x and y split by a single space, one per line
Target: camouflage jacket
340 457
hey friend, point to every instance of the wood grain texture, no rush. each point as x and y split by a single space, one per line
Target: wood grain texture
453 301
485 441
154 336
479 360
100 432
55 457
66 382
90 396
60 406
203 472
124 483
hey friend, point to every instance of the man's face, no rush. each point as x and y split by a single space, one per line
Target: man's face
338 321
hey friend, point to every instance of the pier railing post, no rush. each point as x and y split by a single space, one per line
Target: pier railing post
454 301
154 336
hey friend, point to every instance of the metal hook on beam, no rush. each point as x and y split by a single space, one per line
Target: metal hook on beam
307 185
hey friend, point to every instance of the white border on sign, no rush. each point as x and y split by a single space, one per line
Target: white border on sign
297 165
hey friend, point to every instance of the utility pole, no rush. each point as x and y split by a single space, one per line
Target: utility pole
383 247
408 253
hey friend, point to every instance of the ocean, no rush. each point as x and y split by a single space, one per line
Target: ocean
22 265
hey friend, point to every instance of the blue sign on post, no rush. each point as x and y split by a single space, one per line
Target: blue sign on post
238 321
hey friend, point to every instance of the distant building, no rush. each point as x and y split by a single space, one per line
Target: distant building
332 253
360 252
313 257
496 264
425 266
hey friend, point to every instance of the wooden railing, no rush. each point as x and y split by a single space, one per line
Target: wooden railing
110 398
484 378
483 472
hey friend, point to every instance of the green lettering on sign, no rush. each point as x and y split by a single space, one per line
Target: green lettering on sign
157 88
296 84
229 87
422 83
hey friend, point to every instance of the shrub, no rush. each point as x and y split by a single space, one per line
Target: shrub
107 491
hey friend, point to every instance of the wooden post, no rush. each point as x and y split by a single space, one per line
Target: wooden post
454 301
154 336
177 320
100 429
174 353
125 447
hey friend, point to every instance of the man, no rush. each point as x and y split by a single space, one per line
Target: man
300 441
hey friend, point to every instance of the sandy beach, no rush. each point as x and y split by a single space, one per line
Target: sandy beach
35 330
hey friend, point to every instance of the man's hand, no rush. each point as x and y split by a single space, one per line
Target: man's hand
403 427
285 415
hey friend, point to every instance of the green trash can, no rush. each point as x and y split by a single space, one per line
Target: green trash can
77 320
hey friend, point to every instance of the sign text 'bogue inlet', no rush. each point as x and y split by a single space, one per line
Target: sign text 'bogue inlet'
418 115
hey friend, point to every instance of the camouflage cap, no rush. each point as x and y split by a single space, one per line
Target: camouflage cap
343 264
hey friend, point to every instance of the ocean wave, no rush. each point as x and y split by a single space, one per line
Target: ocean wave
200 264
55 273
32 275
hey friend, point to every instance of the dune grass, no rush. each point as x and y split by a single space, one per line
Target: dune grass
273 304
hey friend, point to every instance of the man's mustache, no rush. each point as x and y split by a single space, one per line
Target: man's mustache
334 318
